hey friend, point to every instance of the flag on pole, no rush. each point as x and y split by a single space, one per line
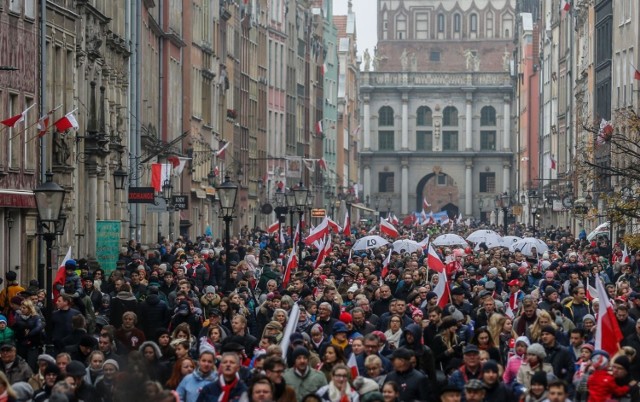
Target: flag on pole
388 229
551 161
43 125
334 226
159 174
178 163
292 263
636 74
353 365
61 275
385 265
565 5
294 316
323 251
608 335
625 255
318 232
425 204
394 220
433 261
347 224
66 122
322 164
274 227
12 121
442 290
220 152
319 130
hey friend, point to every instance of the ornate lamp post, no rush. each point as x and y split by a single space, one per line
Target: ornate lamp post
505 203
281 210
388 207
49 199
167 193
533 205
227 194
301 194
291 207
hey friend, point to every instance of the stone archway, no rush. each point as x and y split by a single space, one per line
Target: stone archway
441 192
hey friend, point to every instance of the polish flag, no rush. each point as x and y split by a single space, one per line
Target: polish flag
388 229
220 153
318 232
12 121
394 220
324 252
292 263
551 161
322 164
565 5
160 172
425 204
442 290
591 292
636 74
319 130
608 335
61 275
385 265
424 243
625 255
178 163
347 225
334 226
444 221
353 365
43 125
459 219
66 122
433 261
274 227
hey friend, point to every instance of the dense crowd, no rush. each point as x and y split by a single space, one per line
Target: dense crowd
172 323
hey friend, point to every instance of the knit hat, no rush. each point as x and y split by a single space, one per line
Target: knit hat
549 290
537 350
23 390
431 295
457 315
588 317
113 363
623 361
548 329
346 317
296 338
316 328
70 264
47 358
88 341
51 368
3 318
539 377
490 365
299 351
209 289
493 271
490 285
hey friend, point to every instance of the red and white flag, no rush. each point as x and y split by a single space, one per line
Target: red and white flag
625 255
323 251
425 204
322 164
160 172
385 265
424 243
565 5
433 261
66 122
608 334
591 292
353 365
13 120
444 221
319 130
61 275
551 162
318 232
388 229
335 228
346 230
274 227
442 290
636 74
220 152
178 163
292 263
394 220
43 125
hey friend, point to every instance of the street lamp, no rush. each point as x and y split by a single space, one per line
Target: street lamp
281 210
301 194
506 203
227 194
49 199
291 206
167 193
388 207
533 205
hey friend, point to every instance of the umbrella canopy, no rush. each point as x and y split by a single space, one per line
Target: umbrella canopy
525 245
450 239
409 246
601 230
507 241
491 241
369 242
482 235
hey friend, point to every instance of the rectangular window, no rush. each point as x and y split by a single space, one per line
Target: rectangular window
441 179
424 140
401 28
29 155
422 26
488 140
440 22
386 182
434 56
449 140
14 143
487 182
385 141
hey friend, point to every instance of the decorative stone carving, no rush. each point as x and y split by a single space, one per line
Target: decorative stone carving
367 60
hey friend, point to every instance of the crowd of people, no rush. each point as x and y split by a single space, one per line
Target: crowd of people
197 321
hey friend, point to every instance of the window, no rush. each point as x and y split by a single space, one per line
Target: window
507 26
473 23
14 139
488 140
440 22
424 116
487 182
422 26
456 23
385 182
450 116
449 140
489 25
385 116
386 141
488 116
434 56
401 27
441 179
424 140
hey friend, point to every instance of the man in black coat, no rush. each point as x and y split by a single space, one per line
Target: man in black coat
413 384
558 356
633 340
153 313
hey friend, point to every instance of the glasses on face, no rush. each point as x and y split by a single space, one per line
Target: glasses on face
340 375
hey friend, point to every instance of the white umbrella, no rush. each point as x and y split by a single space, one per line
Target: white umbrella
527 243
491 241
482 235
507 241
369 242
450 239
409 246
601 230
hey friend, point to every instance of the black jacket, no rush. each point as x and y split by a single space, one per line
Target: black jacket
153 314
413 385
561 360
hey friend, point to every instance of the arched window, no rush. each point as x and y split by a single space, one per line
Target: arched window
507 26
401 26
456 23
450 116
385 116
488 116
473 23
489 24
424 116
440 22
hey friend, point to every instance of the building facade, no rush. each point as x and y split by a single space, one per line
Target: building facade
437 98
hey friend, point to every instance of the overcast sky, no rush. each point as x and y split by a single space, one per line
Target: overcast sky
366 26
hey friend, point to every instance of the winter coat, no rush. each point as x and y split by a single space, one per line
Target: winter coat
602 387
11 290
562 362
413 386
213 391
123 302
71 281
323 393
189 388
512 367
61 325
498 393
19 371
304 384
424 355
153 314
526 372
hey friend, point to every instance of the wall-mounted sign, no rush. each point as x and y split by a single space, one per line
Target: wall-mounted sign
141 195
180 201
318 213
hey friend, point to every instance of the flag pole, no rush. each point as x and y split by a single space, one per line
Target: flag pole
22 131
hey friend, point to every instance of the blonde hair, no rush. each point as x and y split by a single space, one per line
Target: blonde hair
5 381
32 309
536 329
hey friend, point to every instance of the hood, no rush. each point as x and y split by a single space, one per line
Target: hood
125 296
416 331
153 300
156 348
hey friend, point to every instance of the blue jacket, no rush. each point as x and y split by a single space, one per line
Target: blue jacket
190 386
213 391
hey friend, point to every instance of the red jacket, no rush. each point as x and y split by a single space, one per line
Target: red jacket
602 387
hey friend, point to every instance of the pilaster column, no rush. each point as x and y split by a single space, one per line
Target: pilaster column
506 177
367 124
405 122
404 189
468 188
468 140
366 181
506 123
